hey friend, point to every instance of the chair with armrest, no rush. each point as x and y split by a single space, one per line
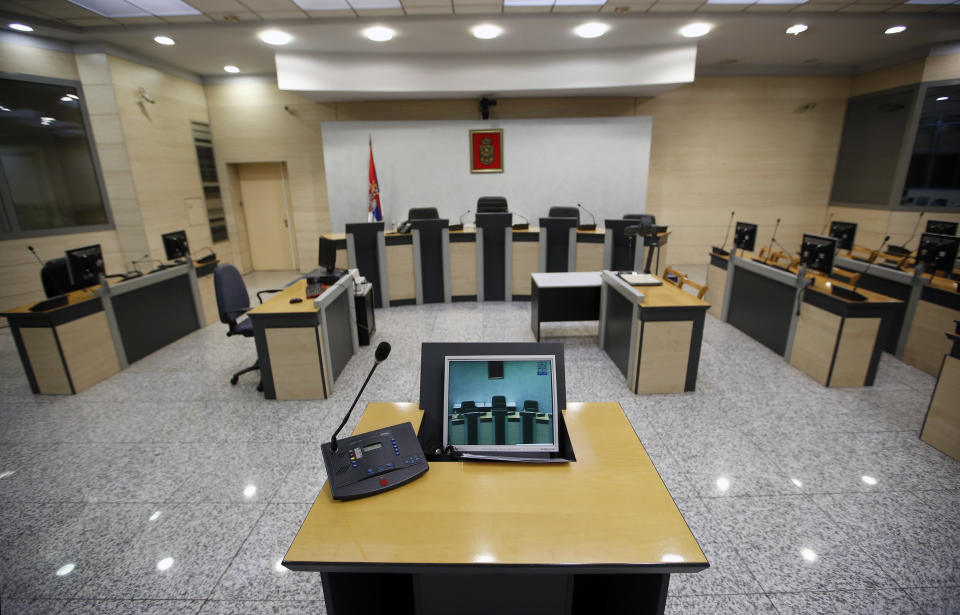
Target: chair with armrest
564 212
491 205
499 401
233 302
423 213
674 277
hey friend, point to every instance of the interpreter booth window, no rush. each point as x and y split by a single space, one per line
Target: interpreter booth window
933 180
50 181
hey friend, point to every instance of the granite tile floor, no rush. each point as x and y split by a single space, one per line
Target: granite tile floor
166 490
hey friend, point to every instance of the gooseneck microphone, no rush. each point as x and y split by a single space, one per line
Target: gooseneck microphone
773 240
904 250
34 252
722 250
459 227
826 226
592 217
464 214
873 259
381 354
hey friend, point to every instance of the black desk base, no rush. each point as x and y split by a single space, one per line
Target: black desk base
561 304
366 324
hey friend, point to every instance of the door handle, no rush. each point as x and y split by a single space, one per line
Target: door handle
286 223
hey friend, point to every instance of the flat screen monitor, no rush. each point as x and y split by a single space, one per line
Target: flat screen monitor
844 233
175 245
328 254
85 265
941 227
938 252
745 236
500 404
817 252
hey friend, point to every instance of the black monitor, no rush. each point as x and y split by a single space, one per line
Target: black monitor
175 245
941 227
938 252
85 265
328 254
844 233
745 236
817 252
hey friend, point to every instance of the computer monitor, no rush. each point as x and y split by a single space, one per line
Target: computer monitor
500 404
175 245
745 236
85 265
941 227
327 254
844 233
817 252
938 252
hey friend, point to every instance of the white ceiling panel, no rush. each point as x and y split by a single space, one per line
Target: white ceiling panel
111 8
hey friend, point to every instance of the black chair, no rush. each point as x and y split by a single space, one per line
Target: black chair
564 212
55 277
531 405
423 213
648 219
491 205
233 302
494 226
431 257
367 252
558 242
624 246
467 406
499 401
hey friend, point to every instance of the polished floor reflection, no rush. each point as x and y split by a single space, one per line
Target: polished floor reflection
166 490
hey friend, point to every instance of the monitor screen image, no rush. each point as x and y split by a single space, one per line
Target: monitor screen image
328 254
941 227
85 265
505 404
817 252
844 233
938 252
175 245
745 236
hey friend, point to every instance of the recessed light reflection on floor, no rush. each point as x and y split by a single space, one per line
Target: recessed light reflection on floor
797 482
165 564
279 566
66 569
156 515
869 480
808 554
723 483
7 473
249 491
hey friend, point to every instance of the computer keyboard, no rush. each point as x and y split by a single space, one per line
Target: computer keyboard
315 290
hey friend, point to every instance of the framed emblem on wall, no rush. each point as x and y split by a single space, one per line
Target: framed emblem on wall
486 151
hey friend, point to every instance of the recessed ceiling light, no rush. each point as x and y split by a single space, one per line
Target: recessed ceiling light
48 119
486 31
164 40
379 34
275 37
22 27
942 98
695 30
165 563
66 569
591 29
796 29
230 68
895 29
869 480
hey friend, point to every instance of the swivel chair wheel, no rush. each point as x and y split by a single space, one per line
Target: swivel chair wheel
234 379
260 387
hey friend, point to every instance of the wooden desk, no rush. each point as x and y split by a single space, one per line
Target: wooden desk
558 297
303 347
599 535
652 333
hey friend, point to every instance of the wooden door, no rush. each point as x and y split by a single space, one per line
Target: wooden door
263 198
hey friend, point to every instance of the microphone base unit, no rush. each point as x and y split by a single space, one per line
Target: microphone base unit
898 251
521 226
455 227
586 227
370 463
846 293
720 251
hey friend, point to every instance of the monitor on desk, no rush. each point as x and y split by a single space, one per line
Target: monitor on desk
500 404
745 236
844 233
938 252
175 245
85 265
817 252
328 254
941 227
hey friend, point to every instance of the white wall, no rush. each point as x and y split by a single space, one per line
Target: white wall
599 162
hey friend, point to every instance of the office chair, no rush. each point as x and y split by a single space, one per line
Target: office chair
624 246
564 212
491 205
233 302
531 405
648 219
431 257
423 213
499 401
55 277
467 406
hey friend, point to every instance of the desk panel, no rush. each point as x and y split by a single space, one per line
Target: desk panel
941 428
88 350
403 285
716 288
43 352
926 344
296 362
463 267
854 352
526 256
208 298
664 355
815 342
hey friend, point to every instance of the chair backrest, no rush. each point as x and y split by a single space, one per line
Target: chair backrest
558 242
669 273
531 404
232 297
564 212
499 401
423 213
494 226
491 204
367 253
700 288
623 245
648 219
466 406
431 257
55 277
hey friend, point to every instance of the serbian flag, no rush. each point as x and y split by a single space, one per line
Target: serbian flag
374 209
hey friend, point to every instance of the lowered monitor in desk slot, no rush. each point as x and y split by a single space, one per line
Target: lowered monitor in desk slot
941 227
175 245
938 253
817 252
844 233
370 463
745 236
85 265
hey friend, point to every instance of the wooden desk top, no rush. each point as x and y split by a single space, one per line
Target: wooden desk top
73 298
664 296
823 283
279 303
609 508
